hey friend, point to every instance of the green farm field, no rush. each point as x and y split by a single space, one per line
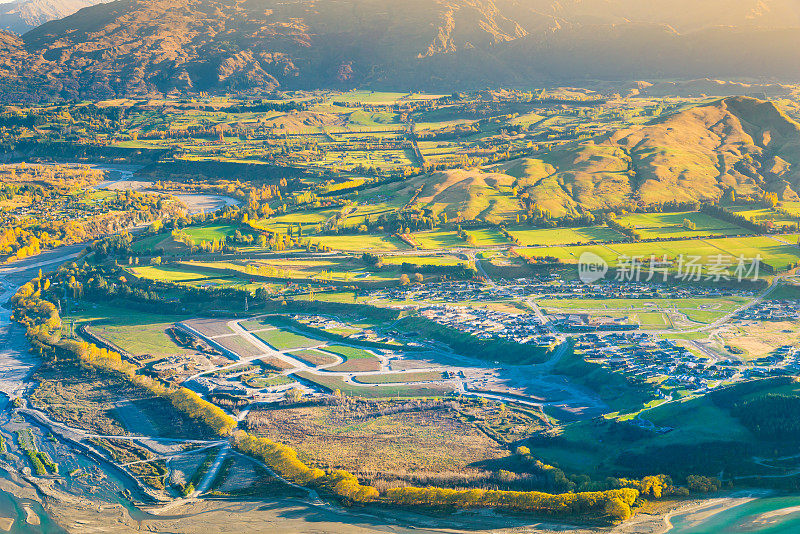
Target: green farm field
487 237
137 332
656 225
772 251
210 232
285 340
169 273
355 359
360 242
439 239
565 236
333 383
766 214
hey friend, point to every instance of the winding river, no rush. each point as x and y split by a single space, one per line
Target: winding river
763 515
122 177
17 364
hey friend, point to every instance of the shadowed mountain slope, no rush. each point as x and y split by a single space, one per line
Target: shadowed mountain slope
144 47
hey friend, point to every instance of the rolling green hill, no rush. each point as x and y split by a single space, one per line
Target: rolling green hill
695 155
468 194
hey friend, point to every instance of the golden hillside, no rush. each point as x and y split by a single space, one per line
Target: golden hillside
695 155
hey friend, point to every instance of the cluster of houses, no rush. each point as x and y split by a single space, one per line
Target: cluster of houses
585 322
451 291
545 286
644 357
490 324
56 206
771 310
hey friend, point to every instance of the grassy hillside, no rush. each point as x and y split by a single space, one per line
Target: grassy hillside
694 435
469 194
694 155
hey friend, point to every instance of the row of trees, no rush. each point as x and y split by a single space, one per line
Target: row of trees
720 212
284 461
43 328
616 503
623 229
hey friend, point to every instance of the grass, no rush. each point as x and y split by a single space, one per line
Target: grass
650 320
601 448
438 239
349 353
285 340
358 438
765 214
168 273
363 118
137 332
771 251
332 383
141 339
565 236
391 378
267 381
360 242
487 237
153 242
355 359
309 217
210 232
703 316
654 225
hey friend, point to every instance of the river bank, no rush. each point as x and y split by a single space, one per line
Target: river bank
699 515
122 178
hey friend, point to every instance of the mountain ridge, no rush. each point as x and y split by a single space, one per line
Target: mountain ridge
23 15
147 47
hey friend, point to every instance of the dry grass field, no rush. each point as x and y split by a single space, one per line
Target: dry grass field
365 436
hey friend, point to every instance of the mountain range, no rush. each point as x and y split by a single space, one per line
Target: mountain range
23 15
144 47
